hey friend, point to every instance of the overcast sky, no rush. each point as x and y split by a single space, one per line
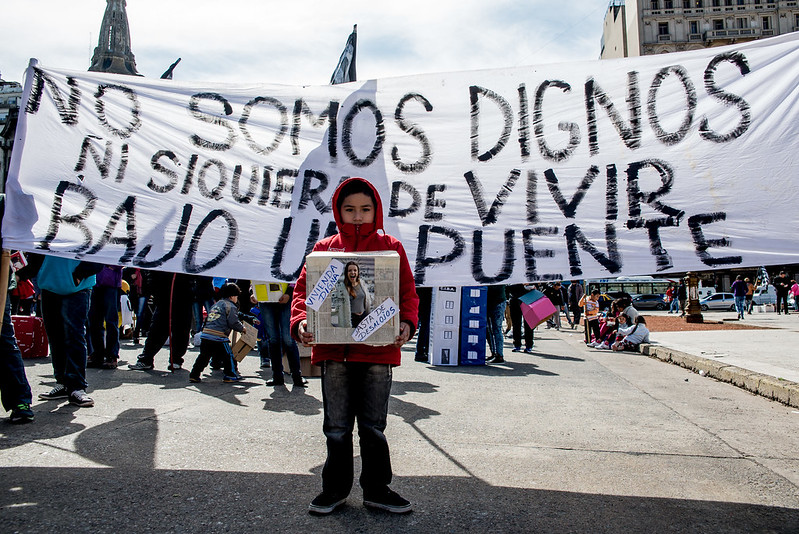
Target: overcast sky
299 41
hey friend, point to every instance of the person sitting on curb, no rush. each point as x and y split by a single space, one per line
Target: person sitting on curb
224 317
630 337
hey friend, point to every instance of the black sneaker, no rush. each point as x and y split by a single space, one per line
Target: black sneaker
58 392
324 503
272 382
195 379
389 501
21 414
301 382
140 366
80 398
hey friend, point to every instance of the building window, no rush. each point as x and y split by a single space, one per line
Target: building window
668 4
654 4
741 2
718 24
796 21
728 2
694 24
698 3
716 3
686 4
663 28
766 23
741 23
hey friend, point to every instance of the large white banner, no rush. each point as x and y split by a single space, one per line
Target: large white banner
647 165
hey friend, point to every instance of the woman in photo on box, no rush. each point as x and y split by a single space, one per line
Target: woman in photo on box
356 378
224 317
360 298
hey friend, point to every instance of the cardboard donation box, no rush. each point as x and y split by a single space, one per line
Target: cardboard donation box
242 343
474 300
536 308
445 325
269 291
352 297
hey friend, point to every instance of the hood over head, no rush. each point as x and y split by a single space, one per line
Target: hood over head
357 185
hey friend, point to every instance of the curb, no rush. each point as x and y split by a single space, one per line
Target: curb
784 391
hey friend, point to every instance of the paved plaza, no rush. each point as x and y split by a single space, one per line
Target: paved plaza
567 439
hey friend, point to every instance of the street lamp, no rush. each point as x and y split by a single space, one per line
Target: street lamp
694 309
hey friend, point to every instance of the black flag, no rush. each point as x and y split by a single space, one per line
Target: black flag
168 74
345 70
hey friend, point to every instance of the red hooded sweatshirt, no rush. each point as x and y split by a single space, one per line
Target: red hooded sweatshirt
360 238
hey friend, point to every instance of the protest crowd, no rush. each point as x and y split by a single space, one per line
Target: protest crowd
171 311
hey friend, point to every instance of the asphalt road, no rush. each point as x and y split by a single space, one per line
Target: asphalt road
564 440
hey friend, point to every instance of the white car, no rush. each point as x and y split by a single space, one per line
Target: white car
718 301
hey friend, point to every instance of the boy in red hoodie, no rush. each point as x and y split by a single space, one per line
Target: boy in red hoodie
356 379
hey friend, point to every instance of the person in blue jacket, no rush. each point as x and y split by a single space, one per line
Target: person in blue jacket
66 286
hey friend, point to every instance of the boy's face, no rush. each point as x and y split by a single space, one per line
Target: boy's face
357 209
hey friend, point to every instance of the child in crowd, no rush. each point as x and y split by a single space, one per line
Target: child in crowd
356 378
630 336
591 304
223 318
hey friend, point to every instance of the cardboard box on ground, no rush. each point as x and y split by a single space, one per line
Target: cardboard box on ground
307 368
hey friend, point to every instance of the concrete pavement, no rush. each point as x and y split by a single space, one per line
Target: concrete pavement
564 440
764 361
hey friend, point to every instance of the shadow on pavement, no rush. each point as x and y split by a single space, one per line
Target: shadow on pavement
508 368
140 499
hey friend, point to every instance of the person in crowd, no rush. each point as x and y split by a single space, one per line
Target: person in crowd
671 298
631 336
204 298
590 304
139 294
223 318
749 298
608 324
515 292
795 292
172 294
782 285
423 335
263 345
356 378
15 390
553 293
564 297
682 296
104 319
739 290
21 295
66 286
360 298
626 305
576 292
495 307
275 319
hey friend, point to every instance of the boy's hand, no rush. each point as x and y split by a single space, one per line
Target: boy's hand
305 337
404 335
284 298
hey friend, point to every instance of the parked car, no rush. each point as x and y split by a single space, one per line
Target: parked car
718 301
764 295
649 302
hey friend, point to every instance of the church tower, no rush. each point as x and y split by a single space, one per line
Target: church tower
113 52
